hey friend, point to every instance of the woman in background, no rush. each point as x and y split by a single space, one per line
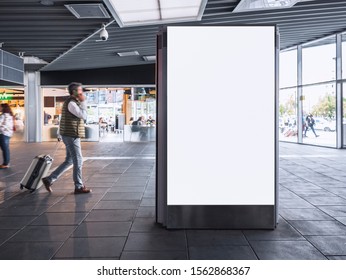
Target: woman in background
6 132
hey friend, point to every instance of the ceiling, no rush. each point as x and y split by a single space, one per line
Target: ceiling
55 35
43 31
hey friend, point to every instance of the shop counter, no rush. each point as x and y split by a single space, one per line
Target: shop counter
49 133
144 134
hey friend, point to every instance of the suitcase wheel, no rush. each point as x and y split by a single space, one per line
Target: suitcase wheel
31 191
21 186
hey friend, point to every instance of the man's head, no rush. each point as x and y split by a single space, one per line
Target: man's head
75 89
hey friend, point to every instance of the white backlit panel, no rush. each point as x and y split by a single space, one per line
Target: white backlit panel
221 115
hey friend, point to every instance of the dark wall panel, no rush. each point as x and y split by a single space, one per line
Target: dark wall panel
130 75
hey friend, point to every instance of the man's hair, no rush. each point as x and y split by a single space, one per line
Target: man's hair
72 87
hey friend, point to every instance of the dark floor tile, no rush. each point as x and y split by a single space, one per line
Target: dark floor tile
6 234
326 200
210 238
101 179
341 220
312 193
146 225
329 245
43 233
39 200
334 211
92 247
319 227
111 216
148 255
93 197
148 202
222 253
102 229
128 204
15 222
294 203
139 189
312 214
58 219
23 211
123 196
28 250
168 241
283 231
336 258
286 250
72 207
146 212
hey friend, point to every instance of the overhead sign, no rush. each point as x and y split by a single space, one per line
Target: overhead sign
6 96
11 69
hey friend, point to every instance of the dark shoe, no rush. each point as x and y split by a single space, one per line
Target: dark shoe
317 136
47 183
82 190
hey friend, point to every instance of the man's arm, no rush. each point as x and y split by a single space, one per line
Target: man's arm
78 111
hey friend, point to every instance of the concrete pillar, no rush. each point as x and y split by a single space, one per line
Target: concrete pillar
33 107
300 96
339 94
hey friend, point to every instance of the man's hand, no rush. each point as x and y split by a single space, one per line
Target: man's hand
81 97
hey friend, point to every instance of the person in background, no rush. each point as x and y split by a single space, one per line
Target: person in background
310 121
72 129
55 121
131 121
150 121
141 121
46 117
6 132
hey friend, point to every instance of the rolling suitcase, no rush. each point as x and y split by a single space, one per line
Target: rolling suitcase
38 169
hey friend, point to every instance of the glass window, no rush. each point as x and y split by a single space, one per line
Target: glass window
288 68
319 114
318 61
344 56
288 115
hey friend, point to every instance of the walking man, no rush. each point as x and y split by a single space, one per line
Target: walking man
310 121
74 112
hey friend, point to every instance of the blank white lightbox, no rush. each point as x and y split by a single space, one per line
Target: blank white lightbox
221 115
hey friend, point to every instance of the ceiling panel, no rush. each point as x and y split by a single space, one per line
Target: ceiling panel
43 31
54 34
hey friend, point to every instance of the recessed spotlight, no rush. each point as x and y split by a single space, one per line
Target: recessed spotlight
47 2
149 57
132 53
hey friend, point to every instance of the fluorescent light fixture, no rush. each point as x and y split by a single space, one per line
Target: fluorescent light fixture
147 12
132 53
254 5
149 57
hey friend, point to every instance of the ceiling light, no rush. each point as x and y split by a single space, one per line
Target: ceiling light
47 2
146 12
149 57
132 53
254 5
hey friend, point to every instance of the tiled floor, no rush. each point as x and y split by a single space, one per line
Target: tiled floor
117 220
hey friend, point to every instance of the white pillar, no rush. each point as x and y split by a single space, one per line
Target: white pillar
33 107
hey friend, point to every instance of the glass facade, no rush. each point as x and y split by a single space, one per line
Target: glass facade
111 112
311 103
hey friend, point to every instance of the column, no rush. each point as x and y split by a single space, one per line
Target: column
33 107
339 93
300 96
